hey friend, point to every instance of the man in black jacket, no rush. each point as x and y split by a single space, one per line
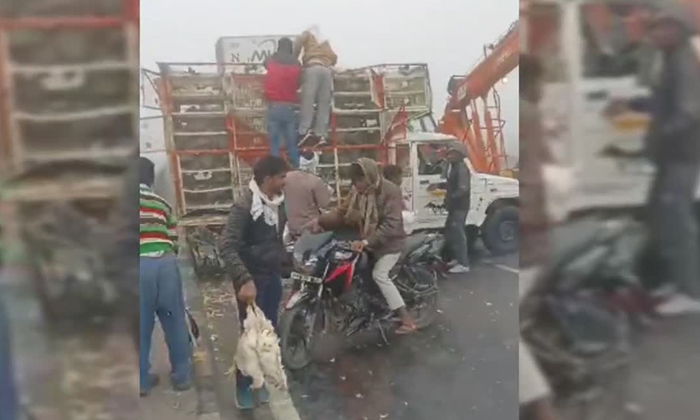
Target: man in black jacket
457 201
672 143
253 251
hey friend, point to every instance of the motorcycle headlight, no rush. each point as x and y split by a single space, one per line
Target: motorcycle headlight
304 266
340 256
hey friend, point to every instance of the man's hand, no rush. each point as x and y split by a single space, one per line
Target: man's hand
357 246
248 293
615 108
313 227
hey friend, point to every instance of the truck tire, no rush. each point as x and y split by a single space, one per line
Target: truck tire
500 230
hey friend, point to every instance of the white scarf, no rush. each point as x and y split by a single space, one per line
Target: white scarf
263 205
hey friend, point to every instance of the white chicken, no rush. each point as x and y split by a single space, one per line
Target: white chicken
258 354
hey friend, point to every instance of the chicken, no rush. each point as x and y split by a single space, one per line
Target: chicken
258 354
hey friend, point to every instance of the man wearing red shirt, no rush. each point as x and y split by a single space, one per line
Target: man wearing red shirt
281 86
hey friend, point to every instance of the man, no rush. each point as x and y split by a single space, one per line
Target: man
160 286
280 89
457 202
253 252
534 390
374 208
672 143
317 85
306 194
9 403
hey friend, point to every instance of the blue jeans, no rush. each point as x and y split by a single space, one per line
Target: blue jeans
282 130
160 293
9 405
268 298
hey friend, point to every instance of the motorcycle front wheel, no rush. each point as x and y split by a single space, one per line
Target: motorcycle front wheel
298 329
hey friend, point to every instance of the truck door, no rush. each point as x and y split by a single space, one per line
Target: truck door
429 185
612 62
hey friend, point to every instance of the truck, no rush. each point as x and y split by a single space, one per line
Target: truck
605 58
215 130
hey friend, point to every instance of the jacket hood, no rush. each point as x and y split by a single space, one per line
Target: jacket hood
285 52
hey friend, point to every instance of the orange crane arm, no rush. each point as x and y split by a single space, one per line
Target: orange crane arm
502 60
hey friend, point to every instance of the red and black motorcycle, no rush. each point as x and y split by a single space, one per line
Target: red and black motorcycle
333 291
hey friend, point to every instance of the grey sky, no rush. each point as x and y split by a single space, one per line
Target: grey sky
449 35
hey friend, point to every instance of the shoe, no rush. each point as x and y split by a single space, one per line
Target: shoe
321 142
244 398
263 395
679 305
459 269
153 381
182 387
306 137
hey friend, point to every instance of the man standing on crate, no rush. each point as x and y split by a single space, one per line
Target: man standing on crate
281 85
317 85
160 286
253 252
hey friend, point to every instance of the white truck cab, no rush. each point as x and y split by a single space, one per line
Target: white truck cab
494 199
587 66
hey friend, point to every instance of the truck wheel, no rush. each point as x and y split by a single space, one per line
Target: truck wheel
500 231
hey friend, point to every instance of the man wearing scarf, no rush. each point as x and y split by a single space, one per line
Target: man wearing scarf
374 208
253 252
280 89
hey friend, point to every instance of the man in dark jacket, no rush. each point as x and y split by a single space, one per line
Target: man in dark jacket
253 251
457 202
281 84
672 143
374 207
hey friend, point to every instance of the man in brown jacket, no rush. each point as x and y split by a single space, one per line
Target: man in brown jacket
316 86
374 207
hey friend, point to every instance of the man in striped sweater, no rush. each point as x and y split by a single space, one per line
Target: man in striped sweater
160 285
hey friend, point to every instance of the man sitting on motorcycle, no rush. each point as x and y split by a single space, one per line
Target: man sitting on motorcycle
374 207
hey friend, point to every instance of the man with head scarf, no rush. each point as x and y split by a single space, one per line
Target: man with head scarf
317 85
457 202
307 194
280 88
374 208
672 143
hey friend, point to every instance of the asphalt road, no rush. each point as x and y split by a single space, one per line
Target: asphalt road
666 372
464 366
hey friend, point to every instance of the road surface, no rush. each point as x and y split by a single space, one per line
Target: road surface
462 367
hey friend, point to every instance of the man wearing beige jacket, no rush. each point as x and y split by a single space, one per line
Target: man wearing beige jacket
318 60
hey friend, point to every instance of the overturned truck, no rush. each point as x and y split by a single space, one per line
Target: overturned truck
215 130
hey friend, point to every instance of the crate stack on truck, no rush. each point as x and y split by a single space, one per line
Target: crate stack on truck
68 130
215 126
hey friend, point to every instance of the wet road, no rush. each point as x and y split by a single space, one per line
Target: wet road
462 367
666 372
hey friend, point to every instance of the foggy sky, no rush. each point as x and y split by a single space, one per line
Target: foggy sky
449 35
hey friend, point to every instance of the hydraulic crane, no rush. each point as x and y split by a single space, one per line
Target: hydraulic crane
462 118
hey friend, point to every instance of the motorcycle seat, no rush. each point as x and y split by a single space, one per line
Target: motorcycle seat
412 243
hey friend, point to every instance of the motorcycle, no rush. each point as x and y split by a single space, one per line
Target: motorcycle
333 291
577 321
